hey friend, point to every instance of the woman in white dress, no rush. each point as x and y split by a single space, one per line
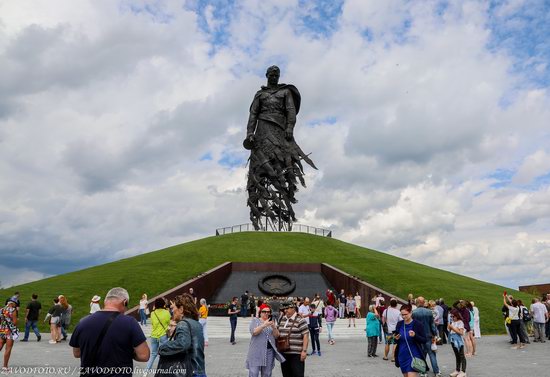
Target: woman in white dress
477 330
357 299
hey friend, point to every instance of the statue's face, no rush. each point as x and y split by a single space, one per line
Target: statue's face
273 77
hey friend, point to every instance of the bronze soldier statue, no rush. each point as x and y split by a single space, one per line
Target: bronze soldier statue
275 165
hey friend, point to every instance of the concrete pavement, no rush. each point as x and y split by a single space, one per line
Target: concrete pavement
347 358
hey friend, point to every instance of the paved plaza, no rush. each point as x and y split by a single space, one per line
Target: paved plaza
347 358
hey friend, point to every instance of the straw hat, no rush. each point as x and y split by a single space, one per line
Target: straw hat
96 298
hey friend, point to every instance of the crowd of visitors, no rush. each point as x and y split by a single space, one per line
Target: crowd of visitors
281 330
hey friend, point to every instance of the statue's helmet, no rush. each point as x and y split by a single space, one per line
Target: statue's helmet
271 69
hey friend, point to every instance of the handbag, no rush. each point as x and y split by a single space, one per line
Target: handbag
417 364
283 343
385 323
166 329
179 364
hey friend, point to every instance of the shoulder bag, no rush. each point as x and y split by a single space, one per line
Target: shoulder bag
283 343
417 363
179 364
92 361
385 323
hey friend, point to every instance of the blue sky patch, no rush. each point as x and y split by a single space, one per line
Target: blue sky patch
502 176
221 12
153 9
206 157
232 159
331 119
523 35
319 18
538 183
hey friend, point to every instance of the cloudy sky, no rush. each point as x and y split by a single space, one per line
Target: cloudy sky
121 125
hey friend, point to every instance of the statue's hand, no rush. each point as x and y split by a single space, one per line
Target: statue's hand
288 134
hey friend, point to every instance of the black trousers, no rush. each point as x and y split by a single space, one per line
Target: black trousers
442 333
315 344
460 358
515 332
293 367
233 321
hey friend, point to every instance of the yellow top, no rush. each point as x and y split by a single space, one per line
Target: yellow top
203 311
161 320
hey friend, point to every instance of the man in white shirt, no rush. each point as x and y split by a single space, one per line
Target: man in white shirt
539 313
391 316
303 310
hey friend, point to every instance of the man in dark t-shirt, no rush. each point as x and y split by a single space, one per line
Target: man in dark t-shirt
342 299
32 314
109 339
232 311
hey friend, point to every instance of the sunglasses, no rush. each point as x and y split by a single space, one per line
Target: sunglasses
265 311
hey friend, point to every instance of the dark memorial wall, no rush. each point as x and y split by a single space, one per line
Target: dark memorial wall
219 284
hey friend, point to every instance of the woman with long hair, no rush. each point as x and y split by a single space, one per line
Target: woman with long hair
470 334
142 310
515 330
54 318
460 305
160 319
456 332
357 299
410 337
8 331
477 329
187 336
66 314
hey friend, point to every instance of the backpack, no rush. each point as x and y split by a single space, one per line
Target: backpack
525 314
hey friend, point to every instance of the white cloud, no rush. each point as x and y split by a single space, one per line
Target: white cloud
16 276
533 166
115 117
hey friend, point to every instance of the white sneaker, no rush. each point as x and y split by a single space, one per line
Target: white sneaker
454 374
52 341
461 374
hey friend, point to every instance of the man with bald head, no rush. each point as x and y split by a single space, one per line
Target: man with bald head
108 339
425 316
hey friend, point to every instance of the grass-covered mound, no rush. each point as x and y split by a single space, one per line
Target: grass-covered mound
158 271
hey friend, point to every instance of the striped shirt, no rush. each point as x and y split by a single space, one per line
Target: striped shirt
297 332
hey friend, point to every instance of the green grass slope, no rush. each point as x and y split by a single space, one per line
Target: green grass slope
158 271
